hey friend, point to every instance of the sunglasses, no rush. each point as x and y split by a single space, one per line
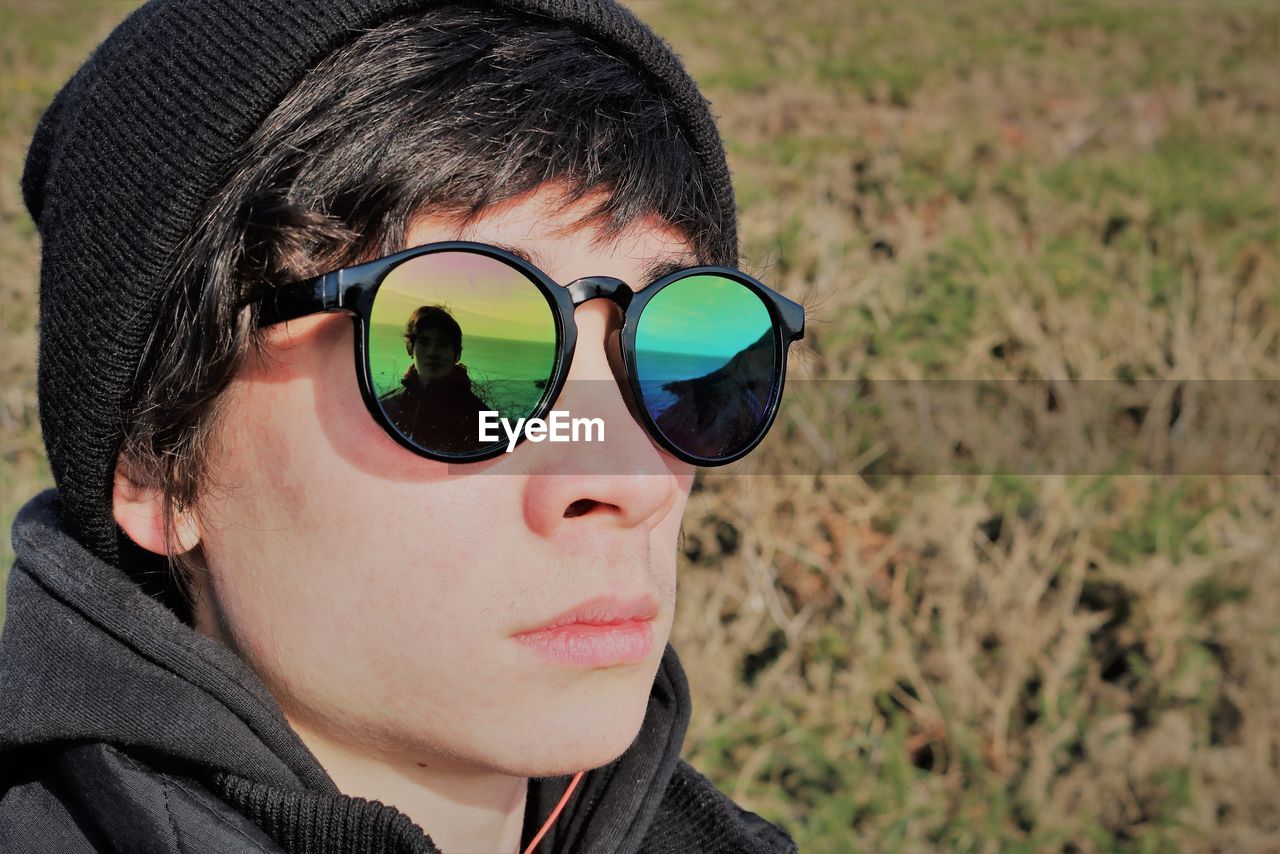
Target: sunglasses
448 331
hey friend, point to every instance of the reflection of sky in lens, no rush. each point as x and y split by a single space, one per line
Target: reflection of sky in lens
487 298
707 316
703 315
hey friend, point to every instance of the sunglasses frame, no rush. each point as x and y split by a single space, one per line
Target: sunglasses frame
353 289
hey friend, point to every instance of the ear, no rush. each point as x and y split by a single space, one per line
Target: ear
139 511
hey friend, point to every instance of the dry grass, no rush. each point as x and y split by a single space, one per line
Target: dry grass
983 190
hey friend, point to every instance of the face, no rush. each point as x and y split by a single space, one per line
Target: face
378 594
434 354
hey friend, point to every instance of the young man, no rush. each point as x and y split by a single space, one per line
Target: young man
264 611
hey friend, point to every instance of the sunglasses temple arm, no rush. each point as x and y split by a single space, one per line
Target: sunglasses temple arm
299 299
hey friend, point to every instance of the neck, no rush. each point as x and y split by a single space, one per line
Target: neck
461 809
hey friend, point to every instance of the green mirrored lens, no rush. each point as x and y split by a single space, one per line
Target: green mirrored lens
451 334
707 363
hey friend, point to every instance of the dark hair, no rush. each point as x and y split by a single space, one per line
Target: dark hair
426 317
447 111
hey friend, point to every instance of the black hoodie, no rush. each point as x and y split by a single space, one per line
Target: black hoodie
124 729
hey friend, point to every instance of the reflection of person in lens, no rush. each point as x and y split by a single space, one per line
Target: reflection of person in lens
435 403
722 409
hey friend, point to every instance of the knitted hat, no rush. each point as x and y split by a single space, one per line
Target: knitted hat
142 136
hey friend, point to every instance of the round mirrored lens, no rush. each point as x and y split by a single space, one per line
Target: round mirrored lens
707 363
453 335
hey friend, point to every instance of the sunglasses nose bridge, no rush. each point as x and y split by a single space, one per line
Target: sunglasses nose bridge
620 294
600 287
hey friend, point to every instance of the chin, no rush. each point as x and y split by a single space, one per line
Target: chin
557 755
567 736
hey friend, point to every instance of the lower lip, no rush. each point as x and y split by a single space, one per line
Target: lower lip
586 645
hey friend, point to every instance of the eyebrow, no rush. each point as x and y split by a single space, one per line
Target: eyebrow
653 271
530 256
665 267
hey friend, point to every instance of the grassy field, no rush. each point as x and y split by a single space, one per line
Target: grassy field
1008 191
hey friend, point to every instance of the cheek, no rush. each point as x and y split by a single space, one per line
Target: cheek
333 553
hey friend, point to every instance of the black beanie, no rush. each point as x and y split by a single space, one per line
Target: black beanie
144 134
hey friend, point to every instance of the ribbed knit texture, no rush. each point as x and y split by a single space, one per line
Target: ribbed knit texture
146 131
311 823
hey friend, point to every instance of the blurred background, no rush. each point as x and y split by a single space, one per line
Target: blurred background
890 659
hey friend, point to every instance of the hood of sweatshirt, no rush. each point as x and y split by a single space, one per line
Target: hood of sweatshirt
87 656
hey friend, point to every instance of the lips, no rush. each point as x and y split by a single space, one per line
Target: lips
602 611
599 633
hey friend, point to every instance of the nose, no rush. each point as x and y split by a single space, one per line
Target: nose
624 481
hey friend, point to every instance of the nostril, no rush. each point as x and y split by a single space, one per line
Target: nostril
581 507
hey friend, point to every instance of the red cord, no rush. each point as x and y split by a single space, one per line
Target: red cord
555 812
